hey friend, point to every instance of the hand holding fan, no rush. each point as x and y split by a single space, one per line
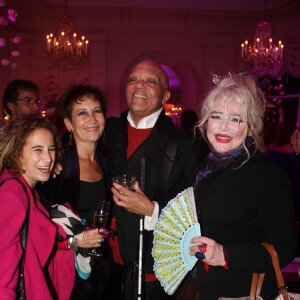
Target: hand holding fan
176 226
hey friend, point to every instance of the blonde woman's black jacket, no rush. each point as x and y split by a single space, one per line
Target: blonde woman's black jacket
240 207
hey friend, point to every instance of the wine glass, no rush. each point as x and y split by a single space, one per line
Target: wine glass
100 221
125 180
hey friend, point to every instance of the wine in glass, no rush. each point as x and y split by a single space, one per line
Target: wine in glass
100 221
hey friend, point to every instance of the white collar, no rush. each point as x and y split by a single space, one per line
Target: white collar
146 122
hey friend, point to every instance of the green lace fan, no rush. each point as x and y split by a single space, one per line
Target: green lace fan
176 226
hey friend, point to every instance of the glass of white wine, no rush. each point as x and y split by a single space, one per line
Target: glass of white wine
100 220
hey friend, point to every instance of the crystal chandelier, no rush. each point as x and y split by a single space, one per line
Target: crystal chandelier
263 58
66 50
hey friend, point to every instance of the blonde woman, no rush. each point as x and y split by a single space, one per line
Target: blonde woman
242 198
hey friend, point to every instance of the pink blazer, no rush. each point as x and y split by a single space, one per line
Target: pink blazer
40 244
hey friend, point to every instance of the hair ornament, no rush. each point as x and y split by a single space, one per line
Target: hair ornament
217 78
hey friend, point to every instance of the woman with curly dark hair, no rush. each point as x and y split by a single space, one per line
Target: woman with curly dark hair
83 181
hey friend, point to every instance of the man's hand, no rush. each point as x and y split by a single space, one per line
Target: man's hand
133 201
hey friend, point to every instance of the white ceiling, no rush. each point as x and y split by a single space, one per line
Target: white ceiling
216 5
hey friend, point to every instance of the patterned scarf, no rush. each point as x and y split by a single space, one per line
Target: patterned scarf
217 160
64 216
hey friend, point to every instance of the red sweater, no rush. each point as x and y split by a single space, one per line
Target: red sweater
135 138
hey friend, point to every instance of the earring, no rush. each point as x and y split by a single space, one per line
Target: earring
7 116
70 143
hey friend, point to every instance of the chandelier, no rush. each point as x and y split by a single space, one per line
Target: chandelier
66 50
263 58
174 112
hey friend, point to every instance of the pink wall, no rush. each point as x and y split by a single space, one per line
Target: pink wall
192 43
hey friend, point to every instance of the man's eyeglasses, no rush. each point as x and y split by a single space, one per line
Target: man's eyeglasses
30 101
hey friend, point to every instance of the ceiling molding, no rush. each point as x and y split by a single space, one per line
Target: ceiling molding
206 5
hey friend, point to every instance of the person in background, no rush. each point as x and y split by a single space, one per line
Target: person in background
188 119
28 152
144 131
53 112
273 119
283 153
242 198
295 140
83 181
21 97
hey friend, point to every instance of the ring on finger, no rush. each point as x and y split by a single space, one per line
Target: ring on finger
202 248
200 255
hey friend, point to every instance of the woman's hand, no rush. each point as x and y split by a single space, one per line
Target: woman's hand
56 170
92 238
133 201
213 252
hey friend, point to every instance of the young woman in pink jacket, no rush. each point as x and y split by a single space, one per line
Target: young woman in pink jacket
28 151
